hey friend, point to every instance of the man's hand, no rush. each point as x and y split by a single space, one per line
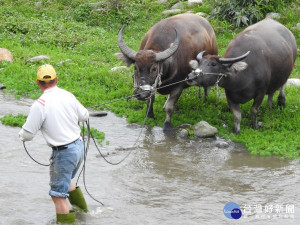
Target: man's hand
25 135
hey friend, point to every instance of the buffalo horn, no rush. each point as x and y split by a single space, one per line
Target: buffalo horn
199 56
233 60
123 47
170 51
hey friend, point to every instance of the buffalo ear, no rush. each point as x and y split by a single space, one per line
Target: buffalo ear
124 58
238 67
194 64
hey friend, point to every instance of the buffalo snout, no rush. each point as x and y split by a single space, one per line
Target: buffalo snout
192 78
141 94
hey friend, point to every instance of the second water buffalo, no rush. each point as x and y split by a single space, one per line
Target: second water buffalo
257 62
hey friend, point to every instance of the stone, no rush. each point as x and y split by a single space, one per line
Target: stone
62 62
162 2
204 129
184 126
178 5
38 58
118 68
222 144
293 82
183 133
38 4
273 15
5 55
2 87
194 2
171 11
96 4
201 14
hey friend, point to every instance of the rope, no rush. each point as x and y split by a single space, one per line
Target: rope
111 163
117 163
86 148
32 157
131 96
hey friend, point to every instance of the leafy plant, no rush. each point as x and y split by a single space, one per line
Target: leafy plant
15 121
99 135
244 12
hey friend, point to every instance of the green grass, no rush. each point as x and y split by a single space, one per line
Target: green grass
15 121
81 43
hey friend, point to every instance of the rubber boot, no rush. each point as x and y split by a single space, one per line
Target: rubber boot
66 218
77 200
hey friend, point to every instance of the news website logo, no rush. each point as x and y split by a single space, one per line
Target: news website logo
232 211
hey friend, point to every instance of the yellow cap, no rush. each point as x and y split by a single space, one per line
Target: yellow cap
46 72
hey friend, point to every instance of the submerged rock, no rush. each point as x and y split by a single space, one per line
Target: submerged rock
222 144
183 133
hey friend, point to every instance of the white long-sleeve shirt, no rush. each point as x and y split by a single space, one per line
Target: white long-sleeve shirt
56 113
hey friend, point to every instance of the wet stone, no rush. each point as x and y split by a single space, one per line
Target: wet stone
222 144
183 133
204 129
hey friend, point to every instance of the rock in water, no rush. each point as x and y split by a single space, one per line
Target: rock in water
204 129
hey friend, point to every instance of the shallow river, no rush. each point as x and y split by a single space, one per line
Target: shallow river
165 180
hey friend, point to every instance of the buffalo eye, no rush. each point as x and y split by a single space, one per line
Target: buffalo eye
154 70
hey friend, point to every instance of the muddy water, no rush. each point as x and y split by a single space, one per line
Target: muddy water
165 180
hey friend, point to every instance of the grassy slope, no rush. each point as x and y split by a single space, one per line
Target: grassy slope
81 44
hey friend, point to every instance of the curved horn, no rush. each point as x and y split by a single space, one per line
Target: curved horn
123 47
170 51
199 56
233 60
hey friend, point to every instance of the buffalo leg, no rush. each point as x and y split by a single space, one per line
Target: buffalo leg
150 102
169 107
206 91
199 93
237 116
254 109
270 100
281 97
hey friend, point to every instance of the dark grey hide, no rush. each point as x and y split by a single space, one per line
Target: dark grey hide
257 62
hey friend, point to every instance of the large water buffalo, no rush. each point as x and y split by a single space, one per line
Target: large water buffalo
258 61
163 58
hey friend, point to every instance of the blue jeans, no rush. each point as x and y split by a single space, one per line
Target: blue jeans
64 165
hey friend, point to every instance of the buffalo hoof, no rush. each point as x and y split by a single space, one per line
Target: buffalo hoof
281 102
236 131
167 126
150 115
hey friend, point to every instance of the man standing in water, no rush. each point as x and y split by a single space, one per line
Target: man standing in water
57 113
